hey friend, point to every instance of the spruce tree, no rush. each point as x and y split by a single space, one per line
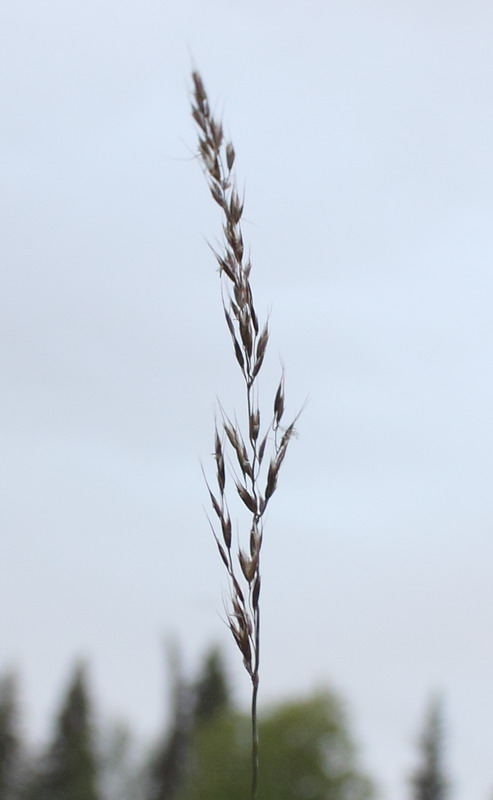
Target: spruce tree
194 705
68 771
212 695
9 738
168 767
429 781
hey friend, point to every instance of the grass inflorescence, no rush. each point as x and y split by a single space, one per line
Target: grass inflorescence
254 453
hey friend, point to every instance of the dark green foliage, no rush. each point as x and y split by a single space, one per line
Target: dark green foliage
220 765
68 771
429 782
9 738
204 755
307 755
168 765
212 695
193 707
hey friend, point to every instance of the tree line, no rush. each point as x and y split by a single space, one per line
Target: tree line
203 754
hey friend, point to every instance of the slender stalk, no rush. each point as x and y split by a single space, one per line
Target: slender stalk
254 476
254 715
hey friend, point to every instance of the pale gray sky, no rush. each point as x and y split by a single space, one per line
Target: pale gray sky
363 133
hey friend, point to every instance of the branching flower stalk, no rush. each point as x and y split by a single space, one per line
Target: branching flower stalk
258 454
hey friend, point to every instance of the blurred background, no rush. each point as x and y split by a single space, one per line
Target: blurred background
363 137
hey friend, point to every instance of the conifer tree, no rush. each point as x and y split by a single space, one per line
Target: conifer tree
9 738
169 763
212 695
193 706
69 770
429 781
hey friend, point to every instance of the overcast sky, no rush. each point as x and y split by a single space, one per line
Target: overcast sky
364 136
